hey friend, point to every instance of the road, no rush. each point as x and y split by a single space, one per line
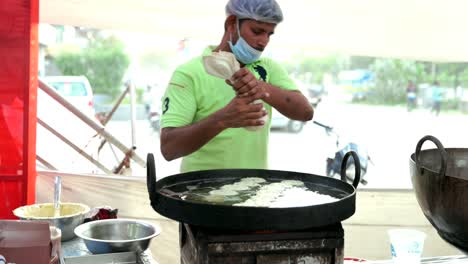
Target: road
390 135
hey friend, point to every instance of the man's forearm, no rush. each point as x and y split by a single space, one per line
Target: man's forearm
292 104
177 142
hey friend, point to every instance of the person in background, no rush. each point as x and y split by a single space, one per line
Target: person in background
436 98
148 98
204 117
411 96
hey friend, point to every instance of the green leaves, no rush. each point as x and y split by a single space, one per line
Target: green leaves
104 62
391 79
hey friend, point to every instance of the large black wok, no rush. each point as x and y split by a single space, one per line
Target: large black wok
172 206
440 180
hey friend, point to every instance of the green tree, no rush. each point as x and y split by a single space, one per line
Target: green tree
151 59
451 74
464 78
315 66
361 62
391 78
104 62
71 62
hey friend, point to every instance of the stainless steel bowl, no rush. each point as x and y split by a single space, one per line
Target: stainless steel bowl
116 235
71 216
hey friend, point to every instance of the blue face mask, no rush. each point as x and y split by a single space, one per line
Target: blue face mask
242 50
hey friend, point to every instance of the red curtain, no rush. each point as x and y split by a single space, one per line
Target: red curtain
18 93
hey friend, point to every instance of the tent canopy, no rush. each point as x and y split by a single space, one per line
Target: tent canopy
408 29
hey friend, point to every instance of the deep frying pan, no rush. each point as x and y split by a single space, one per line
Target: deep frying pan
165 202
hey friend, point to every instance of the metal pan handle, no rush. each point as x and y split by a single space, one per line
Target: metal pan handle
440 147
151 176
357 167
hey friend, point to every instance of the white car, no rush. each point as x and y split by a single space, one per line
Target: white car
279 121
76 89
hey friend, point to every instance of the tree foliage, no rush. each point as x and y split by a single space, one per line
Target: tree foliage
452 74
104 62
391 78
315 67
361 62
150 59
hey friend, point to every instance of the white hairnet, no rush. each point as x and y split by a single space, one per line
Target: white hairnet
261 10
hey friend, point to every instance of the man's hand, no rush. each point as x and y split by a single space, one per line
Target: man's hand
240 112
245 84
178 142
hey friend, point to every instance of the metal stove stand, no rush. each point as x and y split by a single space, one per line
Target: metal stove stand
75 252
209 246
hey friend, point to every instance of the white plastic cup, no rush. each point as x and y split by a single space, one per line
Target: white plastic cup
406 245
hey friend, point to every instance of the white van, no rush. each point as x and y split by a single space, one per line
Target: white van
76 89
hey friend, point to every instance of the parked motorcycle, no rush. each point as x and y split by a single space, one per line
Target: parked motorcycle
154 116
333 162
314 94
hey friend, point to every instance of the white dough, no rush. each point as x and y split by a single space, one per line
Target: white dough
214 198
223 192
235 187
293 182
275 197
297 197
253 179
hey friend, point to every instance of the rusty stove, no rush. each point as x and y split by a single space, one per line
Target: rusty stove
322 245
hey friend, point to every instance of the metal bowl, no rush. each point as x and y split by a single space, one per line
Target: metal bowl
71 216
116 235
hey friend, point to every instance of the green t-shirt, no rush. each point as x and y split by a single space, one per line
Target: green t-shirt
193 95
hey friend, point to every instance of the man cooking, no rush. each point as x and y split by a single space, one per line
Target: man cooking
204 117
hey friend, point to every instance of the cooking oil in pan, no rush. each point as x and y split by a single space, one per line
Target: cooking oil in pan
255 192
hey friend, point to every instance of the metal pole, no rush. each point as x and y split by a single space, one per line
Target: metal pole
111 113
132 112
45 163
116 105
75 147
124 163
94 125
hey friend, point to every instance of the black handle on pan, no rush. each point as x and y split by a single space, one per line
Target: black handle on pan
151 176
440 147
357 167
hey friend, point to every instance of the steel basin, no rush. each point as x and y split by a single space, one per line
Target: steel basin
117 235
